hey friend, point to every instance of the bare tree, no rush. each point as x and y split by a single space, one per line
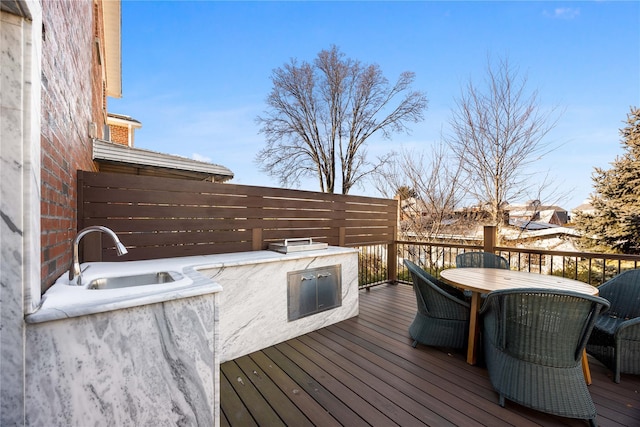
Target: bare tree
323 113
428 186
497 132
429 189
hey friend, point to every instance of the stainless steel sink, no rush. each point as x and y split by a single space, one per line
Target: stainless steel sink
155 278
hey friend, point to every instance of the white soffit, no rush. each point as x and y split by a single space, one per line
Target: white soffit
112 15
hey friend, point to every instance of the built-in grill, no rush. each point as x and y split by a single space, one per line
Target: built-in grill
297 245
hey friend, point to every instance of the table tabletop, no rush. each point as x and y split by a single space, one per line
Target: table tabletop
493 279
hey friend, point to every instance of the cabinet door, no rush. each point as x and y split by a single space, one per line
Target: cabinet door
328 289
308 294
301 299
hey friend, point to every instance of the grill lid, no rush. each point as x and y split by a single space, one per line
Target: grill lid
297 245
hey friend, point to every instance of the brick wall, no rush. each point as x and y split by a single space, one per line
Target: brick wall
119 134
99 98
72 97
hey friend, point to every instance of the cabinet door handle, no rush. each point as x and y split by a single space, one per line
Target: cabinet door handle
324 275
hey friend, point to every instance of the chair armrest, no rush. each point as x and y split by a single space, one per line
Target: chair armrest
452 298
628 330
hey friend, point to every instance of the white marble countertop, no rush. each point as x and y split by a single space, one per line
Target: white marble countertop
63 300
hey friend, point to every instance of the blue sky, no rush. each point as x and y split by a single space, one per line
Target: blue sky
196 74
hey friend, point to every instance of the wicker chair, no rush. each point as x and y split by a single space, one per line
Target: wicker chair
442 319
481 260
615 340
534 341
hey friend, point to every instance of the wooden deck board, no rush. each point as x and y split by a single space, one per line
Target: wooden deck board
363 371
366 385
284 407
365 409
452 387
371 365
255 403
234 410
333 405
316 414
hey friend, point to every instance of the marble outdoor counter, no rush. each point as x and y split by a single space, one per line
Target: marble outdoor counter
63 301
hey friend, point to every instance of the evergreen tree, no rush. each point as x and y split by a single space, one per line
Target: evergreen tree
615 224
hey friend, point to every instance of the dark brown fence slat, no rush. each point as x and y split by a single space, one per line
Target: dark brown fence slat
152 225
140 210
184 196
167 251
148 183
180 237
161 217
317 234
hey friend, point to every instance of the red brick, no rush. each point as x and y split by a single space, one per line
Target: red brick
72 98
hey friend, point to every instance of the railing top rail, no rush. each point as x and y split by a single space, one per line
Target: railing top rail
592 255
439 244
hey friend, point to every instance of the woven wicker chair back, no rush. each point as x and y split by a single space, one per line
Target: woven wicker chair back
481 260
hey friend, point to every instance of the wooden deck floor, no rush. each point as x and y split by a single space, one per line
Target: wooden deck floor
363 371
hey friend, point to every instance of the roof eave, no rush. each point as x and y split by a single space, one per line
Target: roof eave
135 157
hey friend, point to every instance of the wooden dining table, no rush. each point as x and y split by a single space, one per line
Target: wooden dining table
485 280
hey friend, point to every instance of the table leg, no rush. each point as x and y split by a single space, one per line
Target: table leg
474 328
585 368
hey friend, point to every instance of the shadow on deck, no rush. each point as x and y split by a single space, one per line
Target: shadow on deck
363 371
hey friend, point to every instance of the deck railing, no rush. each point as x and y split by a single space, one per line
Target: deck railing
589 267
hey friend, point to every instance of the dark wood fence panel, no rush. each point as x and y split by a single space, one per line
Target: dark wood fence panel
163 217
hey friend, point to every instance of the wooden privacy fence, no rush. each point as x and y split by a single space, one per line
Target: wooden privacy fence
163 217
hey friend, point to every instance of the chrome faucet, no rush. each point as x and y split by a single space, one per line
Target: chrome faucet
75 275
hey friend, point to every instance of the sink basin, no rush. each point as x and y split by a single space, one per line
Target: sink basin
155 278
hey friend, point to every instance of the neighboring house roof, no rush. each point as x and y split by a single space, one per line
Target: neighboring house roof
585 207
539 230
530 225
540 213
122 159
530 208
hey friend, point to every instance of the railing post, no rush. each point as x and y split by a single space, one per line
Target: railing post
490 238
392 248
392 262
